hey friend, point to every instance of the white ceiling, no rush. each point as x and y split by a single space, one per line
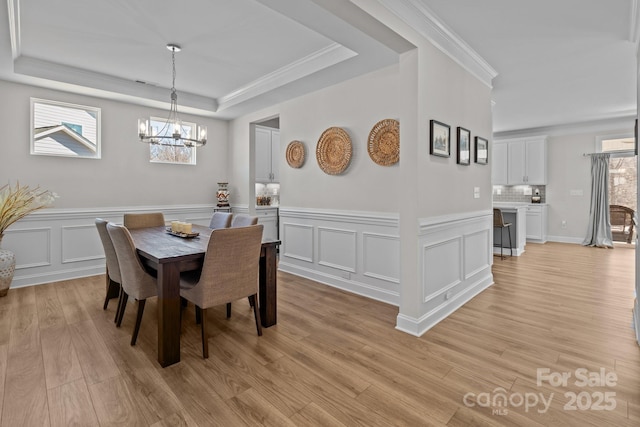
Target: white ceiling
557 61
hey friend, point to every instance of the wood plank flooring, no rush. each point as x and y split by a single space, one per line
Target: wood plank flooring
335 359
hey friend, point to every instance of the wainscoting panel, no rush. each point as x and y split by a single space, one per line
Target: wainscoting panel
299 238
355 251
35 247
337 248
441 267
381 260
61 244
456 258
80 243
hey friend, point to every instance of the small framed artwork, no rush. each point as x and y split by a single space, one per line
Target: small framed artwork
482 151
464 146
440 144
635 139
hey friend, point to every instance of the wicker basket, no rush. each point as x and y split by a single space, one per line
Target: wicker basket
333 151
384 142
295 154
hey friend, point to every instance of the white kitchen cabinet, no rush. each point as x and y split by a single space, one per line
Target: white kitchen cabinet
499 162
268 217
527 161
267 151
537 223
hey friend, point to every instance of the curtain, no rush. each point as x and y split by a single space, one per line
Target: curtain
599 230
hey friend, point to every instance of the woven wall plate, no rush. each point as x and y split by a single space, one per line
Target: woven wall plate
333 151
295 154
384 142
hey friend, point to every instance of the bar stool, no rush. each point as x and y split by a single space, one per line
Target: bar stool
498 222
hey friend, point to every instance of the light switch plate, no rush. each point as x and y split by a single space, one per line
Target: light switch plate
476 192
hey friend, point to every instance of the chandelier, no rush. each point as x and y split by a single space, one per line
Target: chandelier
172 132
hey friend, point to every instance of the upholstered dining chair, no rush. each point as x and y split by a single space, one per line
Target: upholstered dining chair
113 269
136 282
221 220
243 220
229 272
142 220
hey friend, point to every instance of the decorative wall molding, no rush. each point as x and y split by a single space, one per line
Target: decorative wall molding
636 318
426 23
355 251
62 244
455 263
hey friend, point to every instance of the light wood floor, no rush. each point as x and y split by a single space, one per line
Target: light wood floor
334 358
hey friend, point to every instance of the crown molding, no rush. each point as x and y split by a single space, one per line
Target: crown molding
424 21
316 61
634 23
623 120
14 26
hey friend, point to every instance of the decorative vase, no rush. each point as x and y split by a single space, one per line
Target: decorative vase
7 269
223 194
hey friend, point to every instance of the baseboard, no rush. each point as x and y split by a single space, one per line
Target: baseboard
348 285
636 319
565 239
418 327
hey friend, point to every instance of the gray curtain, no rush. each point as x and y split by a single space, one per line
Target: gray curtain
599 230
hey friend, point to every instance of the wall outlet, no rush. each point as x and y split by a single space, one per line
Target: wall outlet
575 192
448 294
476 192
346 275
564 224
527 191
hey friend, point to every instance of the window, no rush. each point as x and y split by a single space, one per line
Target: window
622 169
61 129
171 153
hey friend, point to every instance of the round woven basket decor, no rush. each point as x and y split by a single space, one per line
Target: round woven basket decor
333 151
295 154
384 142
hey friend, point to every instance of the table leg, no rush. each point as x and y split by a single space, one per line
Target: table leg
168 314
267 294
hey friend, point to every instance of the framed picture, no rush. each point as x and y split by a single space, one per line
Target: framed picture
635 139
440 144
464 146
62 129
482 151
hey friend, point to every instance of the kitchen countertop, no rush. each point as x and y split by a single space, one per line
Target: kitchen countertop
516 204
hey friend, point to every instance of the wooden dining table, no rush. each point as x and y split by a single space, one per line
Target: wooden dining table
169 255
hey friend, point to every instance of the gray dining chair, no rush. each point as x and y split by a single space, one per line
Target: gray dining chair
221 220
143 220
112 267
229 272
243 220
136 281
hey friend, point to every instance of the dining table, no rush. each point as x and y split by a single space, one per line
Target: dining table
169 255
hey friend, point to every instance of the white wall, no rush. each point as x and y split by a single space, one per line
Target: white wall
123 176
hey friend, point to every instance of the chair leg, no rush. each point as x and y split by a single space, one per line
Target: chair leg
501 234
136 328
228 310
115 318
113 290
256 313
125 298
510 244
205 341
198 315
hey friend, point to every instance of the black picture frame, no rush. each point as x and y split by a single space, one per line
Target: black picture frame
464 146
440 139
635 138
481 151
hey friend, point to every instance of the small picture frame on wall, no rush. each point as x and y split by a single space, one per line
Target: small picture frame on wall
440 142
481 151
464 146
